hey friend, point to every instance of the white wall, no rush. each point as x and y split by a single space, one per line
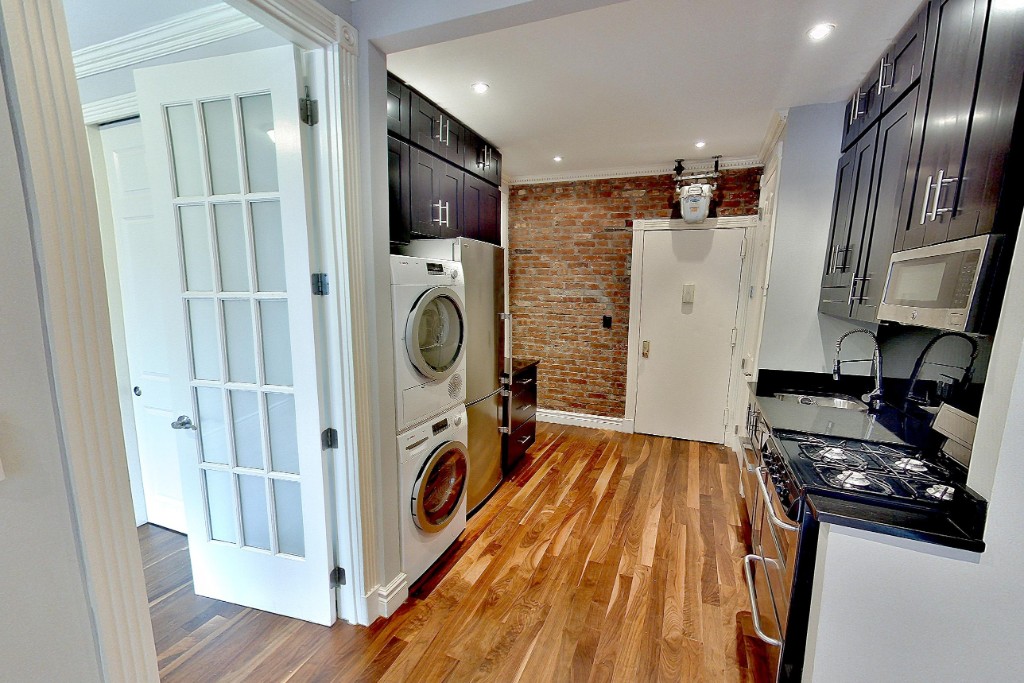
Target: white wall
796 337
46 632
895 610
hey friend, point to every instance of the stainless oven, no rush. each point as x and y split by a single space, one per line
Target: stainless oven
770 568
944 286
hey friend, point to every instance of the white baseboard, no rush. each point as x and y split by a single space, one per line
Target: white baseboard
615 424
391 596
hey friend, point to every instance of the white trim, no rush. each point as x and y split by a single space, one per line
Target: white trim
391 596
633 171
710 224
57 169
180 33
772 136
561 417
111 109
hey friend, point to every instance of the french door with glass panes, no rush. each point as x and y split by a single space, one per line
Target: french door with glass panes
224 144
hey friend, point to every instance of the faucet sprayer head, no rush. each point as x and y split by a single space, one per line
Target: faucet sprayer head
835 369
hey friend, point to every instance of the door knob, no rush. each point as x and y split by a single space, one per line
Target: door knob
646 349
183 422
137 391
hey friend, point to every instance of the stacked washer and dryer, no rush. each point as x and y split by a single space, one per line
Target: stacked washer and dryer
430 371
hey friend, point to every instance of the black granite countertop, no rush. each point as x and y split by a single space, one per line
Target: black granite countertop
837 422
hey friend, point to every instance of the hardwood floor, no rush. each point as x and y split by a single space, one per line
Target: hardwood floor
607 557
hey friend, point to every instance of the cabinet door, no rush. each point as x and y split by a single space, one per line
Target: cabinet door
482 204
892 157
902 65
398 191
954 72
863 109
424 191
452 145
851 209
451 181
424 123
399 98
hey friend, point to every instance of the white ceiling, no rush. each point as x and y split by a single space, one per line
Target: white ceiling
637 83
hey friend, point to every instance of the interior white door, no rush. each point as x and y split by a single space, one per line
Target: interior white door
224 145
140 279
689 289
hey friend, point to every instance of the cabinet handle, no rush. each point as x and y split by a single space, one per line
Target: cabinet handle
924 204
443 223
440 127
882 85
853 288
855 112
440 208
447 132
524 382
523 440
940 183
845 251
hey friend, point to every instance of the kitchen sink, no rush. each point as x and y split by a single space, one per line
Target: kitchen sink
842 401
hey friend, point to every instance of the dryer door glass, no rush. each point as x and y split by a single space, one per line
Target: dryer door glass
436 338
441 487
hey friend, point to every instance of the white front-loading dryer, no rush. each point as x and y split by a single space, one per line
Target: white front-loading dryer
429 323
434 476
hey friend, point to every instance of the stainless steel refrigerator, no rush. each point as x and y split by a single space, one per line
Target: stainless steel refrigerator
483 266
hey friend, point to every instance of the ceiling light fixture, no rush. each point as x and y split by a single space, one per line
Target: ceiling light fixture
557 158
699 144
820 32
480 88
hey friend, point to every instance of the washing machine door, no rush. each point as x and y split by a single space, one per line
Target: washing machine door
435 334
440 487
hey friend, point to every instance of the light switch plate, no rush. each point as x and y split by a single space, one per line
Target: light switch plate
688 292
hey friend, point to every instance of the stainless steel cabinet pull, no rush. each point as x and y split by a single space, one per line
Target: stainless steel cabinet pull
940 183
882 85
853 288
443 223
440 208
447 132
524 439
772 517
183 422
524 382
924 204
748 572
855 112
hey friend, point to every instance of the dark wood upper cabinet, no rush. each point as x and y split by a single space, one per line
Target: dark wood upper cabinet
863 109
482 204
435 196
399 191
892 157
399 98
901 67
425 123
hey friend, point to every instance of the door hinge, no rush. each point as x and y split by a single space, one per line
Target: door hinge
337 577
309 110
321 286
726 416
732 339
743 248
329 438
504 430
504 316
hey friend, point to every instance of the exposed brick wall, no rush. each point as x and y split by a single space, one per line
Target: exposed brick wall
569 265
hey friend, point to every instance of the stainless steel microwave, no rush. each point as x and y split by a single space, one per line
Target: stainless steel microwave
943 286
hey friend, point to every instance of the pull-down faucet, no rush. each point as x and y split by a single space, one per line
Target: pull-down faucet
874 399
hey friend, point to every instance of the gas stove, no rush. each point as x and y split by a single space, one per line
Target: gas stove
883 474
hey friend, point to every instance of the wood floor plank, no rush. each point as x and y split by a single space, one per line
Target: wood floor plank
604 557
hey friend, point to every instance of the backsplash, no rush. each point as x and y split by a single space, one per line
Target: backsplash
569 260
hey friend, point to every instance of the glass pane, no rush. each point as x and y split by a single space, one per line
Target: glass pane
245 419
445 483
232 253
288 503
220 504
440 333
252 495
266 233
195 246
238 330
284 445
211 425
277 347
221 151
188 172
202 323
260 143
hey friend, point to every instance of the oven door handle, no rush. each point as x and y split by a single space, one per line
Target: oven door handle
772 517
755 613
746 462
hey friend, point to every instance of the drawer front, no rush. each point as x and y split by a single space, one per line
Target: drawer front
518 442
525 379
522 407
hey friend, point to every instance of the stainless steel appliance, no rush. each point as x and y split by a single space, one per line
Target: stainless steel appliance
483 267
947 286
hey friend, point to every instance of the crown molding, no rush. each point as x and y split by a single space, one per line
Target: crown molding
110 109
183 32
772 136
634 172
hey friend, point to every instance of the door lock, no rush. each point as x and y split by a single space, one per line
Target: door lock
183 422
646 349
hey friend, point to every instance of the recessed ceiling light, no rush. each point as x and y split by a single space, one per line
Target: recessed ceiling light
480 88
820 32
699 144
557 158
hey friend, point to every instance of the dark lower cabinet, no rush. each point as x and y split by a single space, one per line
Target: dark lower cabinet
482 207
520 415
399 191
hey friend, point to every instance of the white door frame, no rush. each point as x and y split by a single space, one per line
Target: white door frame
636 277
59 188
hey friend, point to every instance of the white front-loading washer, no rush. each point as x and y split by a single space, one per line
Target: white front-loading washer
429 323
434 476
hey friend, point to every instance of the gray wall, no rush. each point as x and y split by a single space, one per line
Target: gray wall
796 337
46 632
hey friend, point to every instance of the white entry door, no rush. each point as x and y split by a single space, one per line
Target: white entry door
224 144
689 289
